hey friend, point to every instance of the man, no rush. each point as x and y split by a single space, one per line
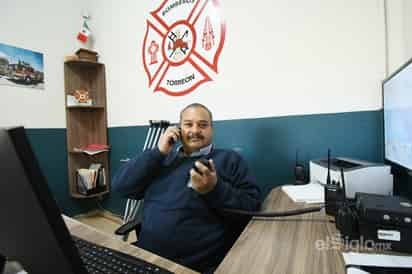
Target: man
183 216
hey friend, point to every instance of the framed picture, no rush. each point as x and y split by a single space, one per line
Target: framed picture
21 67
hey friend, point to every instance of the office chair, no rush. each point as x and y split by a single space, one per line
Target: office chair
132 216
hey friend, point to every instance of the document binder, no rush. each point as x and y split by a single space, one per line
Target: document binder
92 180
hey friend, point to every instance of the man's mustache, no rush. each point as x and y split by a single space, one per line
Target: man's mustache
197 136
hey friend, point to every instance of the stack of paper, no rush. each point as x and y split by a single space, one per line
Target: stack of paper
90 178
92 149
309 193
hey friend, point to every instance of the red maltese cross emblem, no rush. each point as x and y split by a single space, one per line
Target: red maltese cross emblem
182 45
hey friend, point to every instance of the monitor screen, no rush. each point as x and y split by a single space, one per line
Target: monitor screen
32 230
397 111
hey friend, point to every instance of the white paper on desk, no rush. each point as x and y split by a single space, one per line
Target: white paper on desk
309 193
377 260
352 270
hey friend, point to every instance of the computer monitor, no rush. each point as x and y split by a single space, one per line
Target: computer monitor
397 112
32 230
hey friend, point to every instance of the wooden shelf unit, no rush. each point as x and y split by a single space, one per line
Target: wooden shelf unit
85 107
86 124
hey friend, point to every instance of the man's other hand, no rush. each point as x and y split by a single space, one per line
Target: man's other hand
205 182
168 139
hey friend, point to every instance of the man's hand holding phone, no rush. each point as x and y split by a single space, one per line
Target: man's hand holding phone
168 139
203 176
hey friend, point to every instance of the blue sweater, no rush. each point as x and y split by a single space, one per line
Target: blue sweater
178 223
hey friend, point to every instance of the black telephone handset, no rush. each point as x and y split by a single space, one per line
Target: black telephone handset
204 161
172 141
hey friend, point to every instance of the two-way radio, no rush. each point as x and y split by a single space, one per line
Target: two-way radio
299 171
334 195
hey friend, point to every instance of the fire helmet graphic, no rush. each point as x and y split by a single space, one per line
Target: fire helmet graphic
182 45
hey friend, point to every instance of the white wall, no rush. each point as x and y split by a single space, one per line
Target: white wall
49 27
399 18
280 58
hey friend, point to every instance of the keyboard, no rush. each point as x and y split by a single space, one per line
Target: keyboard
101 260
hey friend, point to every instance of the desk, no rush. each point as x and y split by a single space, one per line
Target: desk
91 234
285 245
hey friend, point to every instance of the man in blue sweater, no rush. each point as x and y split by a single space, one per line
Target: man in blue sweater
183 217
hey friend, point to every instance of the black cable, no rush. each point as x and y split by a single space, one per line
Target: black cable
274 214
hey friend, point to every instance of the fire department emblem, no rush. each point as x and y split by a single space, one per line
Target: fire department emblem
182 45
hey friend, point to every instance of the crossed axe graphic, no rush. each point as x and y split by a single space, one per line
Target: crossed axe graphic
178 43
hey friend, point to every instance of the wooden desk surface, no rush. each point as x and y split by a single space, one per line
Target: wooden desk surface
93 235
285 245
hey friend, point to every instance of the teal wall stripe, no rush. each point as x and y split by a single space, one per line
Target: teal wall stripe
49 146
268 145
126 142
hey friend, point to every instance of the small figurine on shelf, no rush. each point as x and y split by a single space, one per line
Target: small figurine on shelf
82 96
79 98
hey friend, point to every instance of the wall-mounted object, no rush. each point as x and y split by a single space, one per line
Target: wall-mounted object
21 67
87 55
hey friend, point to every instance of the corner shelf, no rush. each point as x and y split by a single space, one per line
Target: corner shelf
83 63
85 107
86 124
97 195
85 154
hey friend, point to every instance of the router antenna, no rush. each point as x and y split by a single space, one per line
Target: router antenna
343 183
296 159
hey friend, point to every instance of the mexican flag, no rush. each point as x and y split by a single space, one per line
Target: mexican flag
84 33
